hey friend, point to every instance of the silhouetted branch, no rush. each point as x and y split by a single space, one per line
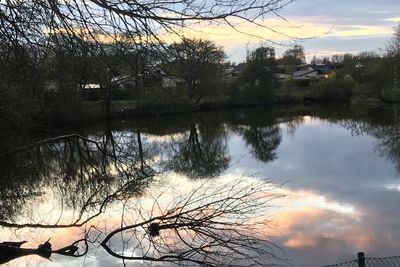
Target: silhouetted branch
211 226
31 21
12 250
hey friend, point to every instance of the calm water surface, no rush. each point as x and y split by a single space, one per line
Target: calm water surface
338 169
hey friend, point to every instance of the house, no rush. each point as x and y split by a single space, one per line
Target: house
228 73
124 81
232 72
238 69
308 74
160 74
313 72
324 70
90 86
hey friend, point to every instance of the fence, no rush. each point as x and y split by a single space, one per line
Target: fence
363 261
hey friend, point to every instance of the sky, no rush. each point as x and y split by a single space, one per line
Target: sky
332 26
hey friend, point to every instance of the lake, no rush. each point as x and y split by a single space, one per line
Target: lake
332 175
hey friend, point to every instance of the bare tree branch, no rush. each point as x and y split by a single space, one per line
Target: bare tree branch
210 226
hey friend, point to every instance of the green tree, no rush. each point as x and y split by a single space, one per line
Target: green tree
199 63
260 69
293 56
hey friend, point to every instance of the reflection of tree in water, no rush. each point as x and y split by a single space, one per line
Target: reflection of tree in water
263 141
389 143
293 124
215 224
200 153
212 225
16 190
83 174
388 138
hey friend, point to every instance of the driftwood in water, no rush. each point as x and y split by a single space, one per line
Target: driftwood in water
12 250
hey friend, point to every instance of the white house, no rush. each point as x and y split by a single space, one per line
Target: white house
91 86
170 82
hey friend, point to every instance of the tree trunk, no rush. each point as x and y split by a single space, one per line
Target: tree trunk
191 89
141 155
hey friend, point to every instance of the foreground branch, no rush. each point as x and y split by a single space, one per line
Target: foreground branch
212 226
12 250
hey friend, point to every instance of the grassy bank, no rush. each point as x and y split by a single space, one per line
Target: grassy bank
162 101
158 102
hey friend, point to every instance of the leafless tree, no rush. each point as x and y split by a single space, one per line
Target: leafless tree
98 20
393 45
393 51
213 225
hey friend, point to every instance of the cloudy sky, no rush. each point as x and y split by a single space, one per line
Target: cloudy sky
338 26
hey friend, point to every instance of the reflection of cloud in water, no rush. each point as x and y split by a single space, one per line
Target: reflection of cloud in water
303 199
342 196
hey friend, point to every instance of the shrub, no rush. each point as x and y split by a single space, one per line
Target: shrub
334 89
390 94
288 84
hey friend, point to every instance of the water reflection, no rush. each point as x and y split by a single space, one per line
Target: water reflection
80 174
339 168
388 138
200 152
263 141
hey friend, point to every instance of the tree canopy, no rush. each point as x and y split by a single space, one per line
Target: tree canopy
197 62
293 56
260 67
393 45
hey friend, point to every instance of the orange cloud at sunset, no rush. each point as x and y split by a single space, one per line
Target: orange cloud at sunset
300 241
276 30
308 227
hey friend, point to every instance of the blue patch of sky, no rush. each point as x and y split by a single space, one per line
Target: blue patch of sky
342 15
